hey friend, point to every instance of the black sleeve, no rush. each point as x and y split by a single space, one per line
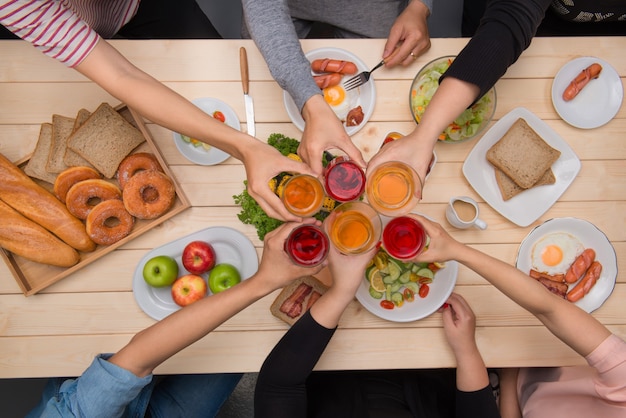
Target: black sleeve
480 403
505 31
280 389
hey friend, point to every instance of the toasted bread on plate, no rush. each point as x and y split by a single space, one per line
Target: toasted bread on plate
508 188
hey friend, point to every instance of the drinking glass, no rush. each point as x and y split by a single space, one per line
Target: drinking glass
353 227
307 245
344 180
302 195
391 187
404 237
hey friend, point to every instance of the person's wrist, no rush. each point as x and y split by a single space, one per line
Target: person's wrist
313 106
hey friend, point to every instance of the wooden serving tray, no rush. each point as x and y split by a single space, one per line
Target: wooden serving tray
33 277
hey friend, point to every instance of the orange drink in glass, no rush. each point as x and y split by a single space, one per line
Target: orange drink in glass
353 227
391 188
302 195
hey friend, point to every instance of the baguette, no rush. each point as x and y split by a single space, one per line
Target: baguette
296 298
24 237
40 206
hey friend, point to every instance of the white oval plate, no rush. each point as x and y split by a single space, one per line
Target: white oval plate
367 92
528 206
591 237
597 103
440 290
199 155
230 246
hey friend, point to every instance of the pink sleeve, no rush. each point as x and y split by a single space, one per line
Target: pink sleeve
609 359
51 27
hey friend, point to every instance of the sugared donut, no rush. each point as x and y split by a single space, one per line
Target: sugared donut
69 177
108 222
135 163
84 195
148 194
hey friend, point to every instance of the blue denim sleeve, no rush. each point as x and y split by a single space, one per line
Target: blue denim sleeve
104 390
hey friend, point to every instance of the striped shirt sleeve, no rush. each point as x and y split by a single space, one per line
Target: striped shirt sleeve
51 27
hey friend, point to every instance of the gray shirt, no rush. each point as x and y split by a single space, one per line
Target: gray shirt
277 25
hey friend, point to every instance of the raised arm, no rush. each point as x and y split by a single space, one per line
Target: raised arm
152 346
562 318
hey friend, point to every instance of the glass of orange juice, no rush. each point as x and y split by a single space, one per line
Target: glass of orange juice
302 195
391 188
353 227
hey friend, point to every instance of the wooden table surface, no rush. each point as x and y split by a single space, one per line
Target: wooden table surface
58 331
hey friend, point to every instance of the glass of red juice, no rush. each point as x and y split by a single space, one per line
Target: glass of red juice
307 245
344 180
404 237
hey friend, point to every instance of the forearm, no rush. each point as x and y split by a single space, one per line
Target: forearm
471 372
155 101
509 405
151 347
270 26
328 309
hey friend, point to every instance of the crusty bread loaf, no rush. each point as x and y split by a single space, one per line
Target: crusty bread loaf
61 129
105 139
71 158
24 237
508 188
36 166
316 289
40 206
522 154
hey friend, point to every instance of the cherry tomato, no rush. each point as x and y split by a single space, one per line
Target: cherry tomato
219 116
409 295
424 289
433 267
386 304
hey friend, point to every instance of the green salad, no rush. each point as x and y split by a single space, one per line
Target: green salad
469 123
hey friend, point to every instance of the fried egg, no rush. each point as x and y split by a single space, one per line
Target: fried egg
555 252
340 100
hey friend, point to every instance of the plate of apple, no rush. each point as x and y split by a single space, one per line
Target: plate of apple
190 268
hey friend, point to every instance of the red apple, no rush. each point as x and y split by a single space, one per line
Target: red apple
188 289
198 257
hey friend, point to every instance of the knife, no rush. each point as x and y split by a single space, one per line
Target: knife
243 62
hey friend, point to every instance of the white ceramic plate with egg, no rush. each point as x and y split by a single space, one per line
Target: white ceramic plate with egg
200 155
528 206
591 237
597 103
364 96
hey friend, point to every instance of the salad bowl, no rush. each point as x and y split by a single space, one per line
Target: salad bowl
470 123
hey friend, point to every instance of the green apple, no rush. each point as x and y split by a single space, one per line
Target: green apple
223 276
160 271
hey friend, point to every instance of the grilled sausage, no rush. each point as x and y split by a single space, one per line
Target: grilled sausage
581 80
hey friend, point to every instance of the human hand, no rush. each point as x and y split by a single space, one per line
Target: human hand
324 131
347 271
459 325
276 267
263 164
442 246
409 34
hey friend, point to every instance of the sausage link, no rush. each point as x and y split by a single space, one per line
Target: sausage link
586 283
580 265
327 65
327 80
581 80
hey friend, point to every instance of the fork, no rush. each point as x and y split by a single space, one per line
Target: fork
361 78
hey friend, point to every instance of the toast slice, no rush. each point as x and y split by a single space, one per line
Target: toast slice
508 188
105 139
71 158
36 166
522 154
61 129
296 298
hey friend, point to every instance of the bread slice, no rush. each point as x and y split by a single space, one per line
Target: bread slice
522 154
508 188
36 166
314 291
71 158
61 129
105 139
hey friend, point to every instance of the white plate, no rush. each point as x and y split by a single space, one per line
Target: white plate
230 246
440 290
367 92
597 103
528 206
213 156
591 237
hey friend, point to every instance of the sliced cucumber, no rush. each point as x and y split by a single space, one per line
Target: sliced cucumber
405 277
397 298
394 270
426 272
375 294
415 287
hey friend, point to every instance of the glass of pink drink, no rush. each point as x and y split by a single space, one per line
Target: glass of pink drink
307 245
404 238
344 180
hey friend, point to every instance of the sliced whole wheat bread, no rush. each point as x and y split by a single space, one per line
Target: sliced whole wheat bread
105 139
61 129
508 188
36 166
522 154
71 158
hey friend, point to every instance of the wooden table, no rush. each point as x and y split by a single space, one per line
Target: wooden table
58 331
